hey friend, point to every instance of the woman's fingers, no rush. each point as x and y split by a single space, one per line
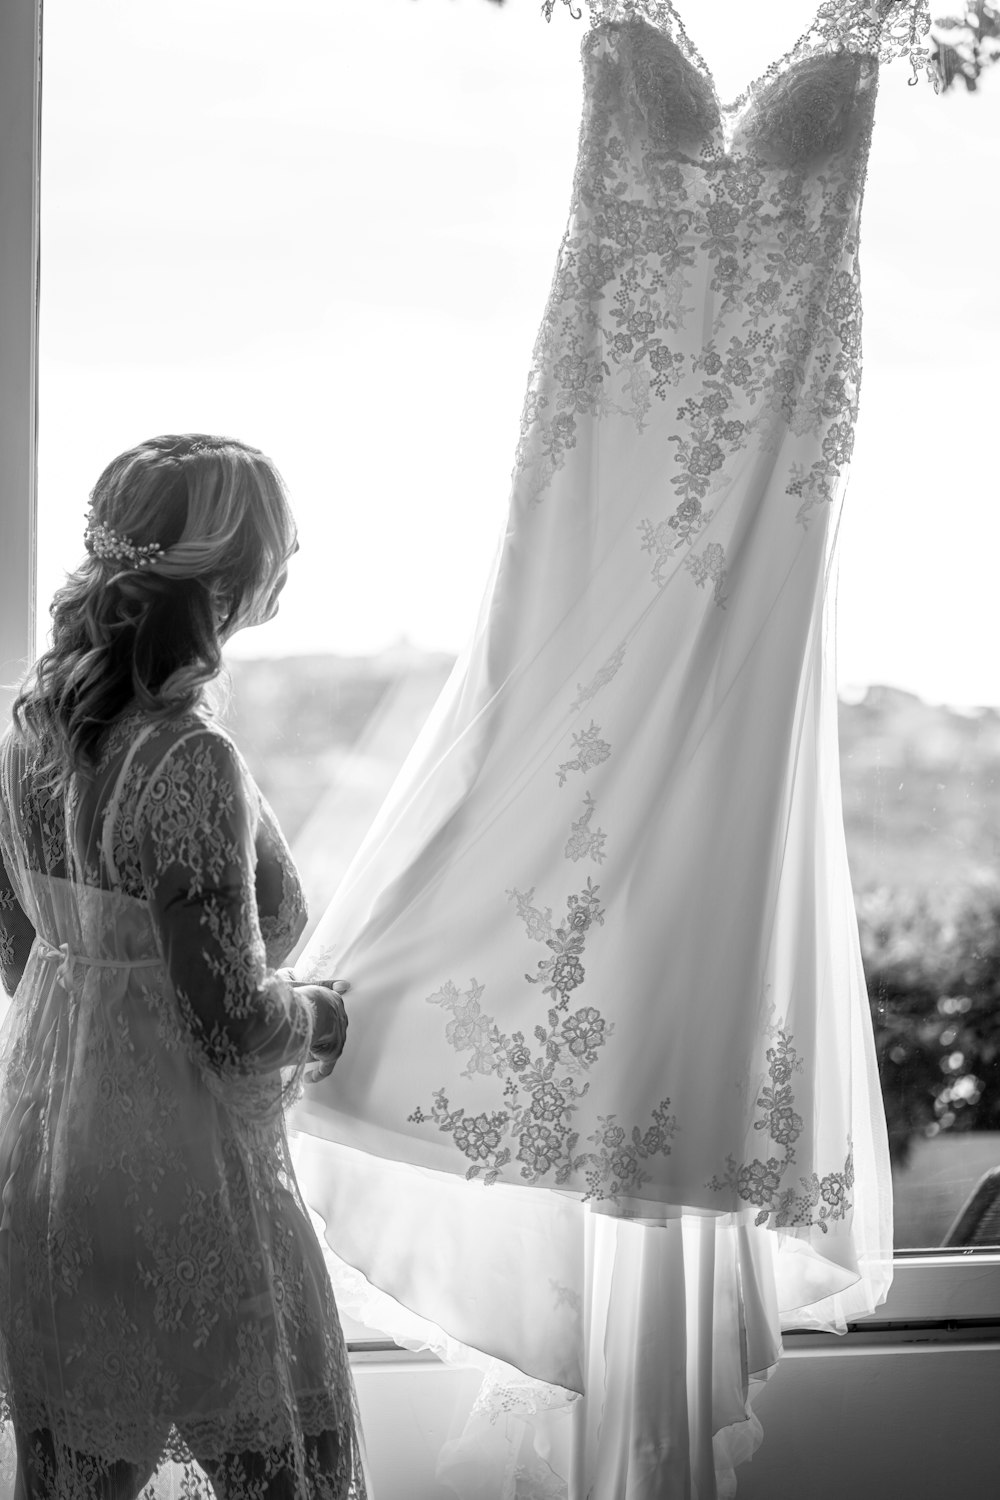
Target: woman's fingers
340 986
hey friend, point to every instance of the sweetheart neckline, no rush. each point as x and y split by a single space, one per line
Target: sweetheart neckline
732 105
697 59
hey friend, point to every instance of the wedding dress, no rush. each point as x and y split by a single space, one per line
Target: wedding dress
164 1306
609 1111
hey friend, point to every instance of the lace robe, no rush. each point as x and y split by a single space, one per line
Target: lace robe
162 1291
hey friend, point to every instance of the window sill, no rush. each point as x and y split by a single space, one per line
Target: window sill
936 1298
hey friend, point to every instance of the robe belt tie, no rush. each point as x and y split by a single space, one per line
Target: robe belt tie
68 960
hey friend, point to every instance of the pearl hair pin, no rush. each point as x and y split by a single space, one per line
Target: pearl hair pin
105 542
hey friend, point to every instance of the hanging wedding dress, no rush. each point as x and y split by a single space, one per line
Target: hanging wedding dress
609 1110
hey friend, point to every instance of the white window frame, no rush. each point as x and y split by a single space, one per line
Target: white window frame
935 1297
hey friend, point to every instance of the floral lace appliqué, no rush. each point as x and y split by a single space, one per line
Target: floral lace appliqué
813 1200
604 674
591 751
586 842
544 1078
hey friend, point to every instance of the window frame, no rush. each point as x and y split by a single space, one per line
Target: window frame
20 160
935 1296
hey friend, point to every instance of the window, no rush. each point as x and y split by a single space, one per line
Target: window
237 237
918 766
19 87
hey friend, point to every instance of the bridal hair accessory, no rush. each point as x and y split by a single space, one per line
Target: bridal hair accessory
105 542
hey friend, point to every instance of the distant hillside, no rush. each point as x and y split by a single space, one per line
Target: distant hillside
921 787
921 784
295 718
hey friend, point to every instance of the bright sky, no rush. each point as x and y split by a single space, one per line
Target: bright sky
330 228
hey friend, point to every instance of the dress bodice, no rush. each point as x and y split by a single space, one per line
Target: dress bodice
877 30
713 248
796 117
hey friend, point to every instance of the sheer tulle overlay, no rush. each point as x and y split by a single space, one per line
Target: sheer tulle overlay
165 1312
609 1111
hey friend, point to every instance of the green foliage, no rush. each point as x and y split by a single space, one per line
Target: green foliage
933 970
964 45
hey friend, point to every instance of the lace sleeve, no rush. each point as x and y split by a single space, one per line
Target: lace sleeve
196 837
16 932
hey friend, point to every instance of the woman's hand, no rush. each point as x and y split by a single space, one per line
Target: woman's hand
330 1027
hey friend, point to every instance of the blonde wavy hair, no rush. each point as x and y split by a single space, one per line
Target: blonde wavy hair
215 517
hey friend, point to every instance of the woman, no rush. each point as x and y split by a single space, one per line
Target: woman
163 1295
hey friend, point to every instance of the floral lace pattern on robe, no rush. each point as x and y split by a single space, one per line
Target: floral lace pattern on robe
164 1297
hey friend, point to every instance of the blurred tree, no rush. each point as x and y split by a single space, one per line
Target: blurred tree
964 45
933 971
